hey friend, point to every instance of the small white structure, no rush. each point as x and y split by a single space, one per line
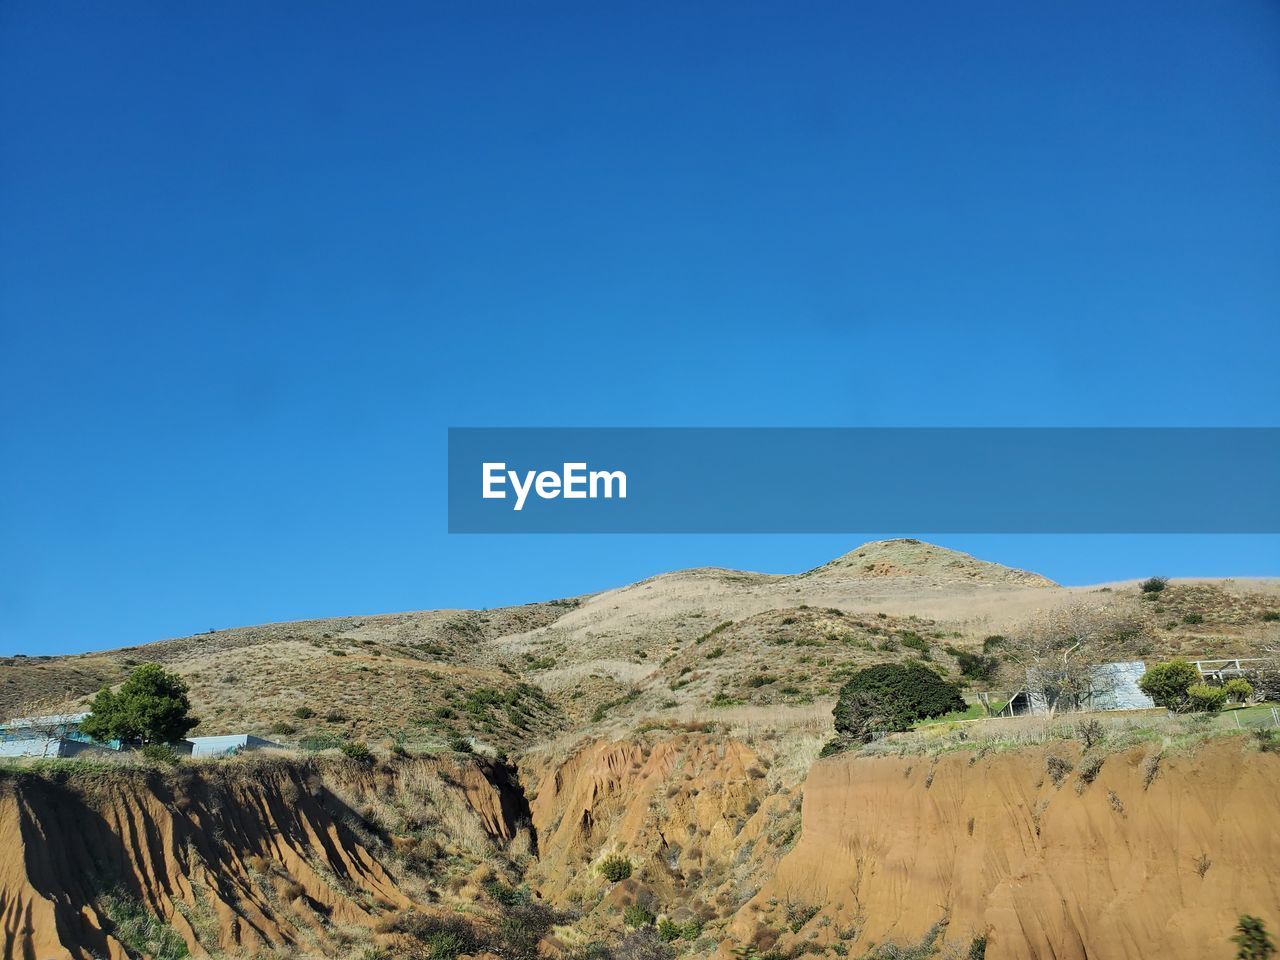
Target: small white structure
55 735
228 744
51 747
1112 686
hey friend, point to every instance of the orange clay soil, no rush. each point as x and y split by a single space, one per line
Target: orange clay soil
1129 865
233 860
700 818
1115 869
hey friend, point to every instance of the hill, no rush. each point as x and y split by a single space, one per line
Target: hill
686 646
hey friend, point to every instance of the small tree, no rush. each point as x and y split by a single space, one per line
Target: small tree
1252 939
892 696
1167 683
1153 584
150 707
1239 690
1203 698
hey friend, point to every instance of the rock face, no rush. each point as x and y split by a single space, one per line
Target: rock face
1116 869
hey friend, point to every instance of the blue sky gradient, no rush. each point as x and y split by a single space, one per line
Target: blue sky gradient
256 258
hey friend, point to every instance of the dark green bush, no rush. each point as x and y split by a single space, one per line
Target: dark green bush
304 713
975 666
1252 939
461 745
1153 584
892 696
615 868
916 642
356 750
668 930
637 915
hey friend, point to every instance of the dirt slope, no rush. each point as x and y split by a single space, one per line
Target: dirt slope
891 846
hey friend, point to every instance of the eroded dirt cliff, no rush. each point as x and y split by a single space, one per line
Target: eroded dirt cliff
1136 858
232 858
1042 852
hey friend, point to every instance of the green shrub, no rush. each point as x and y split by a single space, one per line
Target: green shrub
321 741
282 728
1271 616
304 713
1153 584
916 642
1167 683
436 937
1252 939
161 753
635 915
615 868
1238 689
461 745
500 893
892 696
604 709
669 930
356 750
975 666
1203 698
1193 618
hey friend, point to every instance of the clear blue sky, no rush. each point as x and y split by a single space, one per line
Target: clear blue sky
255 258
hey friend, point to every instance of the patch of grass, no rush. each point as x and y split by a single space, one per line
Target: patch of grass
141 932
604 709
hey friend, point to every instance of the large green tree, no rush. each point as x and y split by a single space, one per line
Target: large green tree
892 696
151 706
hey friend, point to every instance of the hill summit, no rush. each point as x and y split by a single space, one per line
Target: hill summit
915 558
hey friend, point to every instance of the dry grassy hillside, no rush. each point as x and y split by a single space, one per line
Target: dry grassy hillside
693 642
